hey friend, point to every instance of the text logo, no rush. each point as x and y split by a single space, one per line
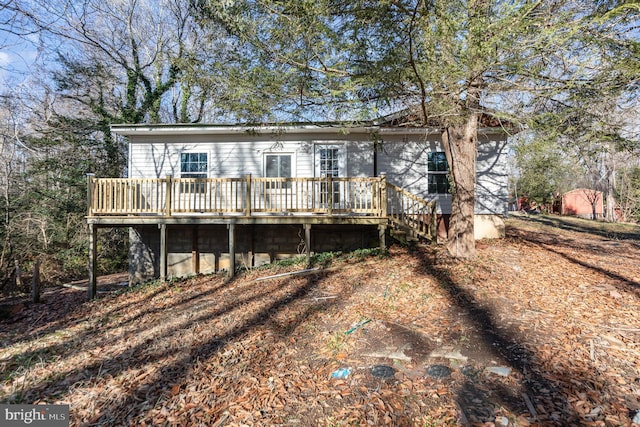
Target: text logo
34 415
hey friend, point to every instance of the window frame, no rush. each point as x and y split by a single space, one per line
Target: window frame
341 157
265 168
438 177
338 160
198 187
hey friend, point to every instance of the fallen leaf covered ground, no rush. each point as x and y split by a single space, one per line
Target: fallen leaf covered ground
542 329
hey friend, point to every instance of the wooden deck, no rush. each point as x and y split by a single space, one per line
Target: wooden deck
246 197
125 202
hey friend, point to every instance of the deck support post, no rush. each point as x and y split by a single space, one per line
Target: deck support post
232 249
195 250
307 242
92 287
163 252
382 235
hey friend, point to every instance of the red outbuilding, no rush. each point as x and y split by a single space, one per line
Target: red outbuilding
582 202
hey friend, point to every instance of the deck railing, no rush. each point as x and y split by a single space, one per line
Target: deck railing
245 196
249 196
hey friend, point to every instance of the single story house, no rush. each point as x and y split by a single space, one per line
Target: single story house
199 197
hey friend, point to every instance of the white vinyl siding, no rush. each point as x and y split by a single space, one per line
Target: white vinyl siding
156 159
492 193
404 159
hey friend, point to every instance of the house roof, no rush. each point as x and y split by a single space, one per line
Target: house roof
412 117
225 129
274 128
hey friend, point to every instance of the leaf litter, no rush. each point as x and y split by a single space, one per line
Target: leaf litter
542 329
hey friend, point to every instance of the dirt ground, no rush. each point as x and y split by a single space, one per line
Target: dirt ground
541 330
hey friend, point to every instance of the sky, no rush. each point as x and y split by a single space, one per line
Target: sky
17 59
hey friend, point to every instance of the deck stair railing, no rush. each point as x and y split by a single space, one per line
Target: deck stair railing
411 213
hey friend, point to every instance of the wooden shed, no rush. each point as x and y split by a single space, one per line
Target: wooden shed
582 202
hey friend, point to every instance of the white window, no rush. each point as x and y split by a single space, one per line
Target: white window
329 162
278 165
193 165
438 173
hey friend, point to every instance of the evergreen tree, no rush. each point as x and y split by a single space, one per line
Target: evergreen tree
454 63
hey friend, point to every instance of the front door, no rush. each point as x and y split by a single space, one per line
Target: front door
330 161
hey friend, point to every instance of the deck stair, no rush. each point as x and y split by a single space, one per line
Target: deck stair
411 217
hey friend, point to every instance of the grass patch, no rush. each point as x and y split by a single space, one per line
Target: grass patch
610 230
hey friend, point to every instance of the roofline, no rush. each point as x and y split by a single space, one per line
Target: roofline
275 129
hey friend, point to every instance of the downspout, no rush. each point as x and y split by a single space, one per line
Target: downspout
374 137
375 158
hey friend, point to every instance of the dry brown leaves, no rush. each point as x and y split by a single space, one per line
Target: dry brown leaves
553 314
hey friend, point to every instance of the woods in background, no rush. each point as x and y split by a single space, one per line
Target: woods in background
565 71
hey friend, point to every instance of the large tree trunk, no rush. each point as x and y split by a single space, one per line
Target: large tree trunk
460 145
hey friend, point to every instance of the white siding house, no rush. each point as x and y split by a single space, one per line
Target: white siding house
198 198
403 154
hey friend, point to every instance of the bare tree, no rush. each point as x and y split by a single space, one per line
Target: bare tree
13 155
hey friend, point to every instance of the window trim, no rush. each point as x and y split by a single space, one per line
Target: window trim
342 156
292 156
341 163
194 188
279 153
438 173
199 174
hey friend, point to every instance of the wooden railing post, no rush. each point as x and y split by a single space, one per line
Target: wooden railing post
247 206
383 195
168 190
90 193
329 194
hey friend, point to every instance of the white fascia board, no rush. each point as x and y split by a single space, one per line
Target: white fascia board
158 130
130 130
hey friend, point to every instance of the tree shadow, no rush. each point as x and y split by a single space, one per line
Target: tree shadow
552 243
478 399
88 336
152 382
33 316
51 318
